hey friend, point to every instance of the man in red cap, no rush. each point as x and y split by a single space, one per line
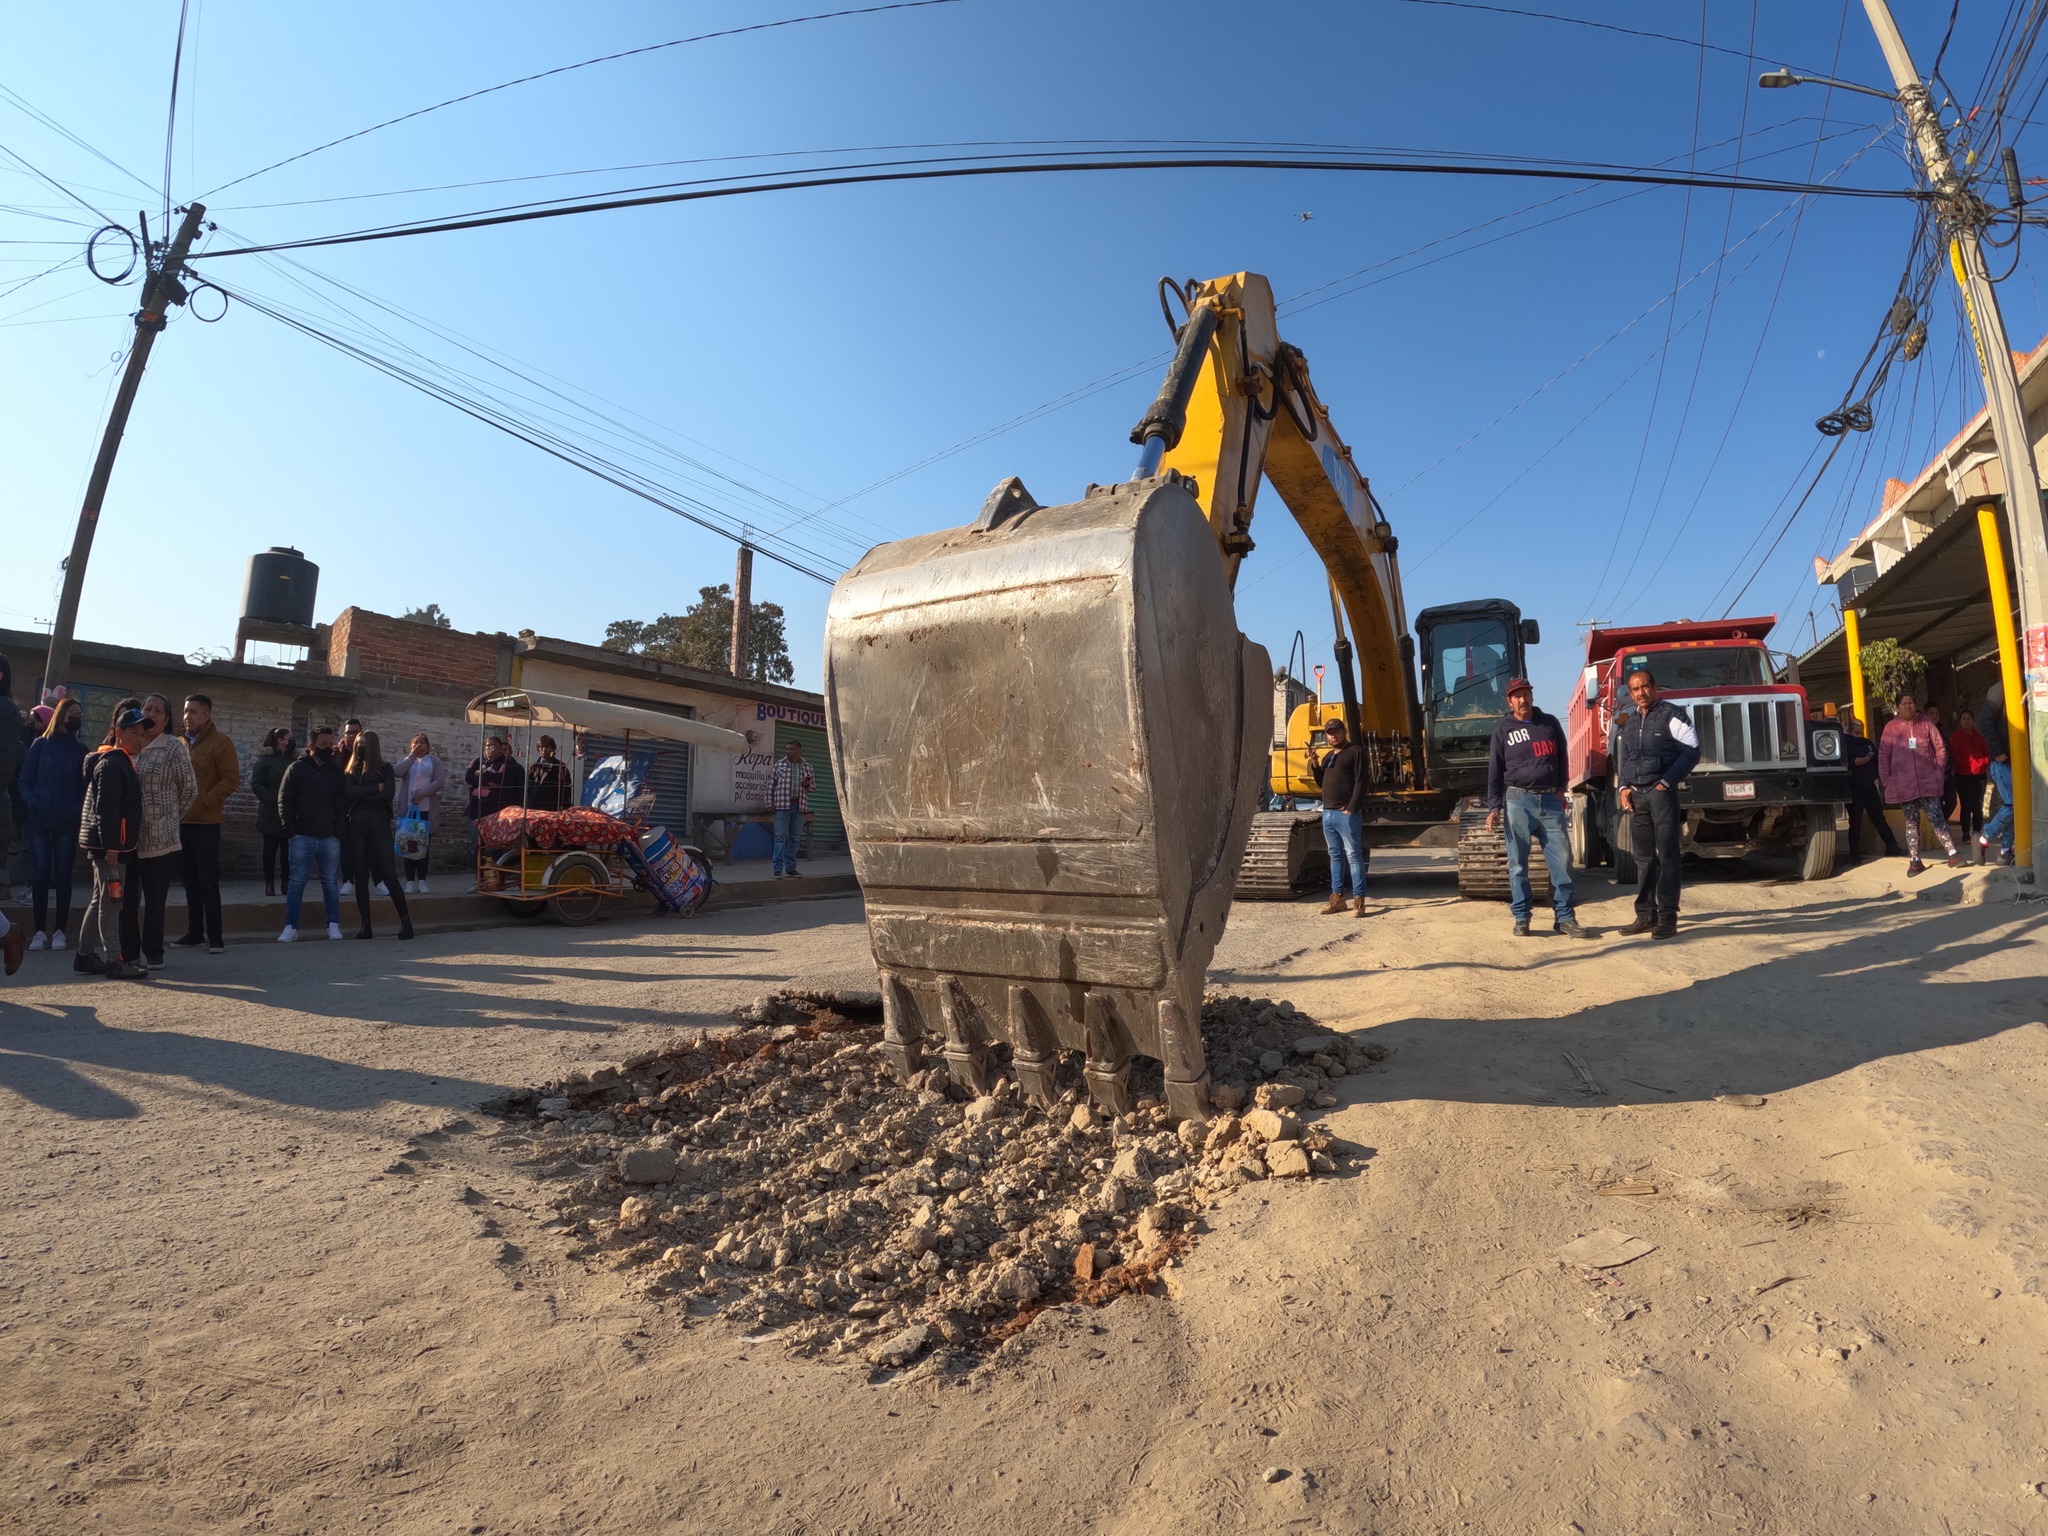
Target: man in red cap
1525 770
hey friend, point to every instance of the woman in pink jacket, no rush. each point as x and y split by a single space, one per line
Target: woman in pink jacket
1912 760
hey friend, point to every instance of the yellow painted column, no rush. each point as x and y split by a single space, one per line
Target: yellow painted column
2015 695
1852 636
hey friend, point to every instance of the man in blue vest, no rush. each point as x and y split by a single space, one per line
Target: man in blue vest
1653 748
1525 780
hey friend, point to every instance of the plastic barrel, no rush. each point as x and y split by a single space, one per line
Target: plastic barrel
677 880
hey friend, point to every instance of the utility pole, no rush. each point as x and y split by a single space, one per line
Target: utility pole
742 600
1963 216
160 290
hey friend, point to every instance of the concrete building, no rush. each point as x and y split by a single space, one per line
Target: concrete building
400 676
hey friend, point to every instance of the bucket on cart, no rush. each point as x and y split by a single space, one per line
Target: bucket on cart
679 882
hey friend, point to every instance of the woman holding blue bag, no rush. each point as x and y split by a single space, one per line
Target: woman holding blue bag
420 778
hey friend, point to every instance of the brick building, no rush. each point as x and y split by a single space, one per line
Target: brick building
400 677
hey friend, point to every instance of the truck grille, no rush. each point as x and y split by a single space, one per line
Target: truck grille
1748 733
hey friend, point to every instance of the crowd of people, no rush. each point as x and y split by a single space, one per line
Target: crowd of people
143 806
1937 775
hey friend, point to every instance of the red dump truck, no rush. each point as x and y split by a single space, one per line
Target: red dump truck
1768 779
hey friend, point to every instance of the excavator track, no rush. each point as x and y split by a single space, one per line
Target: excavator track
1286 855
1483 861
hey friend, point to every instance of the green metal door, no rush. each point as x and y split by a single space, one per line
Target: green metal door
828 829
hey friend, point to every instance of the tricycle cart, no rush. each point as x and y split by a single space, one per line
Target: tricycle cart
576 860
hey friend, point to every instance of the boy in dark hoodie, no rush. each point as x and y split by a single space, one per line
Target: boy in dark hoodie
109 830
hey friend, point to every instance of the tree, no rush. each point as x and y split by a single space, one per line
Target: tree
431 614
1889 669
701 636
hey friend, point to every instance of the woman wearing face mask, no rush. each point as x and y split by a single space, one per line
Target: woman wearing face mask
53 789
266 777
169 785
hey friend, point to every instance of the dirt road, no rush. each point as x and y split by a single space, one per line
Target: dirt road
266 1268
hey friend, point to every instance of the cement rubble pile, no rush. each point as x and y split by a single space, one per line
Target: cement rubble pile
779 1175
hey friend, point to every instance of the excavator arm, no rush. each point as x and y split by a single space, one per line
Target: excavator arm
1252 414
1050 737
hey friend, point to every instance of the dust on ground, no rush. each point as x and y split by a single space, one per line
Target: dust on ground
1742 1231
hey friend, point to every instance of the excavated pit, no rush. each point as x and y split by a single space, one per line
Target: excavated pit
778 1175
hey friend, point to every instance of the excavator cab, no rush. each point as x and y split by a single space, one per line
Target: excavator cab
1470 652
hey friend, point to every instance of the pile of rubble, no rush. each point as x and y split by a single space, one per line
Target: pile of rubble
779 1175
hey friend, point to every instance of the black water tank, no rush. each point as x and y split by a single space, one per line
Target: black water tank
280 588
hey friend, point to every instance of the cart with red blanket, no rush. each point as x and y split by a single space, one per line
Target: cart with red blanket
572 859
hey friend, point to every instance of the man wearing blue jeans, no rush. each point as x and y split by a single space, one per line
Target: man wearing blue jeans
309 804
1996 838
789 795
1525 769
1341 772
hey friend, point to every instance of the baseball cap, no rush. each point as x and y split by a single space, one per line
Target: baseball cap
130 718
1519 685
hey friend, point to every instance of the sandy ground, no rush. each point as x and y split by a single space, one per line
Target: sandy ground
266 1268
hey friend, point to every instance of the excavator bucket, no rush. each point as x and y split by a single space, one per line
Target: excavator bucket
1049 738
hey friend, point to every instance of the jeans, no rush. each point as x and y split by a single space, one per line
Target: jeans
1864 800
52 856
1998 830
370 850
199 866
1656 833
304 852
1527 814
147 894
100 933
789 831
1344 835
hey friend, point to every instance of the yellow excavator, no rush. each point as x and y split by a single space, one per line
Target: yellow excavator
1052 742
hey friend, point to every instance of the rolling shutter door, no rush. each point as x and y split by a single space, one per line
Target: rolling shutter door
645 781
828 829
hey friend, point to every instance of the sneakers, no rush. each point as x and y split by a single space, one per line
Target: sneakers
1956 861
125 970
40 941
1571 928
88 964
216 949
334 930
348 887
1640 925
383 889
57 939
1521 927
188 941
1334 904
289 936
420 887
153 965
1915 868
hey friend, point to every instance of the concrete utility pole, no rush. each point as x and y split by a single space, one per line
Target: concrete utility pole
160 290
1963 216
742 600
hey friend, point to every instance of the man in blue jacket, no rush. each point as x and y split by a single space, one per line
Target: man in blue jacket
1653 748
1525 770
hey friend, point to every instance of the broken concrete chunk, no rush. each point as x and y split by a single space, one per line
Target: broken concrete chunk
1279 1095
1272 1125
647 1165
902 1348
1287 1160
838 1161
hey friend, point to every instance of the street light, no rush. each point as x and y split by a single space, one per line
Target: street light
1781 78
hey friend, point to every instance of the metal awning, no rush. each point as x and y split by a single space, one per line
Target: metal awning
1935 600
524 707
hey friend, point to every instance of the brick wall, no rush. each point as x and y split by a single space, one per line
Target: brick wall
383 652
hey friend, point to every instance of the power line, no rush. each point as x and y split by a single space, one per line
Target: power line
835 177
563 69
1599 26
171 112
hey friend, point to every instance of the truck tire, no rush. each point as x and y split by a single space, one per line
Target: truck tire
1624 860
1817 854
1589 848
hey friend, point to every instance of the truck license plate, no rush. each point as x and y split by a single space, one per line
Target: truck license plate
1739 789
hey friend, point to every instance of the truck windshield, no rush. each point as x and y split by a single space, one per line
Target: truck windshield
1469 670
1734 666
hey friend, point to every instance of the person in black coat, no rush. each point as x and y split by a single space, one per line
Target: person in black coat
548 786
110 830
310 808
367 793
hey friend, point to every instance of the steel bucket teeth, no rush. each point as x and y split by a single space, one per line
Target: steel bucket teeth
1049 738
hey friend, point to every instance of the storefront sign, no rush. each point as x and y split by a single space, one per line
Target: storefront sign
752 778
795 714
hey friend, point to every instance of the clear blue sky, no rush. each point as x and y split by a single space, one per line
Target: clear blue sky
807 345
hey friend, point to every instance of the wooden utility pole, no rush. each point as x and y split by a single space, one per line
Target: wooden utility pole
160 290
742 600
1963 215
